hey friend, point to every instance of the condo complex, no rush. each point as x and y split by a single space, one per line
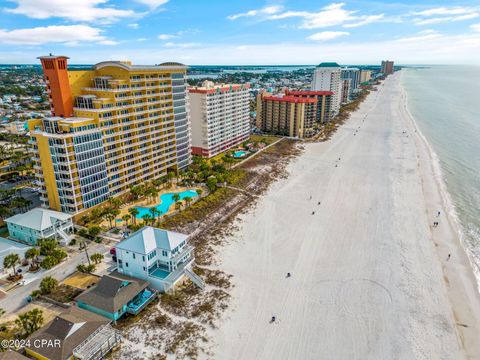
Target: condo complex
112 127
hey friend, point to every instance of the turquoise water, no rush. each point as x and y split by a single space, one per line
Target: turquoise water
162 274
240 153
444 100
166 202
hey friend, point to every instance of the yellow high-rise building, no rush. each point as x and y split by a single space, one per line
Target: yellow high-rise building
113 126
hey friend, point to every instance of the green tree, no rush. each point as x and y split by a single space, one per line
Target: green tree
48 262
47 246
147 218
126 218
133 211
212 183
97 258
176 197
109 217
48 285
32 255
94 231
188 200
30 321
10 261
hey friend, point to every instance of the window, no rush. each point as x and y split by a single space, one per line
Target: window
164 253
133 255
143 259
126 264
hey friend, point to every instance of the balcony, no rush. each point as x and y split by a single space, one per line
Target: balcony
141 301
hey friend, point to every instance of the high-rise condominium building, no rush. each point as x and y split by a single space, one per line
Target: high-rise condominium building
326 77
287 115
219 117
324 101
354 75
346 93
387 67
365 75
113 126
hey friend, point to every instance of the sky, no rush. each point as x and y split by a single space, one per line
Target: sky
209 32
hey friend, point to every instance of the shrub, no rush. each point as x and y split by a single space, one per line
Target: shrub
47 285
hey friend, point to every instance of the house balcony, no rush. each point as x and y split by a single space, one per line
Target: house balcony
141 301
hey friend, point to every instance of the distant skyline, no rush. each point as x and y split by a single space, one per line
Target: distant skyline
243 32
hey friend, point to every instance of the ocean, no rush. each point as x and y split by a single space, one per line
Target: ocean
445 102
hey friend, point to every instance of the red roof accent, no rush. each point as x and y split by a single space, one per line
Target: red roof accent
224 88
308 92
292 99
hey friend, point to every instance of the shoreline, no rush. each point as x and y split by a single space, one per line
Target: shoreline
463 291
437 172
357 287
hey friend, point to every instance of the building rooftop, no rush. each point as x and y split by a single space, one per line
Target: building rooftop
328 64
112 292
211 87
308 92
71 327
290 99
149 238
129 67
38 218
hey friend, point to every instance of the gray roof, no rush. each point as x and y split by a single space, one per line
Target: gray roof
149 238
71 327
112 292
38 218
12 355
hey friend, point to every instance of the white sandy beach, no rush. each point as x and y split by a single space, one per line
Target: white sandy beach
370 279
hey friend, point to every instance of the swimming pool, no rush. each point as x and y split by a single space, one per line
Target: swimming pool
240 153
160 273
166 200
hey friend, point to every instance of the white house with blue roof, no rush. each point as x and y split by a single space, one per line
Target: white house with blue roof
161 257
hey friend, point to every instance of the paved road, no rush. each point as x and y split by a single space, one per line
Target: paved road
16 298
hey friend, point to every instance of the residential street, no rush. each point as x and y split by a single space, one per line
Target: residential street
17 298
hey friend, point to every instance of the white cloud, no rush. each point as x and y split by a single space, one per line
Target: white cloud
76 10
475 27
445 19
331 15
365 20
327 35
421 36
166 36
152 4
443 11
69 34
267 10
133 26
445 15
142 39
182 45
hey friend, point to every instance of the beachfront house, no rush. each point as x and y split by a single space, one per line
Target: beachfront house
40 223
161 257
116 295
73 334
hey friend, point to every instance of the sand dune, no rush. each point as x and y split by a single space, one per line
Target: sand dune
368 281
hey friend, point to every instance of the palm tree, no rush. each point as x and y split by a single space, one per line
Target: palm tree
134 212
176 197
32 254
30 321
146 218
153 212
126 218
188 200
10 261
110 217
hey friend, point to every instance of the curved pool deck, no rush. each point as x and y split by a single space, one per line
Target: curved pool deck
166 200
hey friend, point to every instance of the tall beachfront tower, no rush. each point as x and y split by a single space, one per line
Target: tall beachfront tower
387 67
287 115
220 117
354 75
113 126
326 77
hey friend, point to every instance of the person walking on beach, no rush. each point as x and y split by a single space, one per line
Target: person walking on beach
438 214
313 212
448 257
